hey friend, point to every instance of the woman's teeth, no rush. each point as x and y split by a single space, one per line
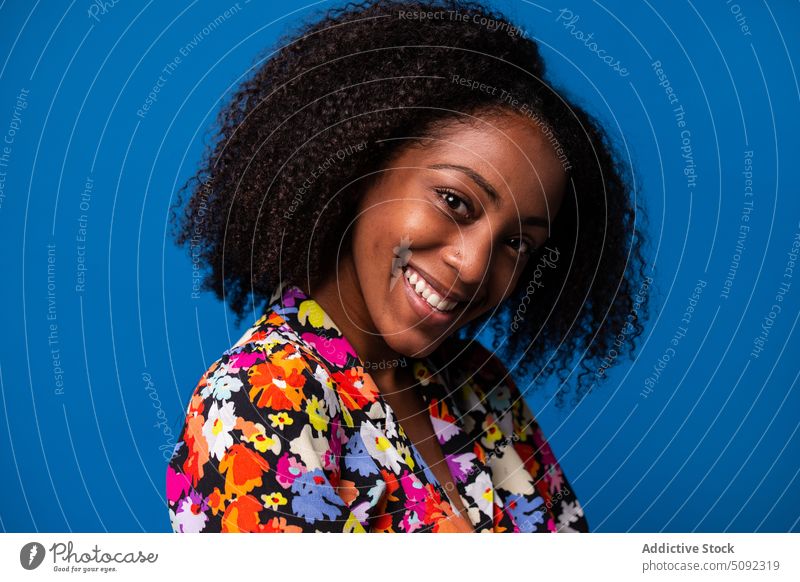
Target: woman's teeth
425 291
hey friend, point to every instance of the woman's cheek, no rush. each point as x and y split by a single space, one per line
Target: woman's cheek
427 223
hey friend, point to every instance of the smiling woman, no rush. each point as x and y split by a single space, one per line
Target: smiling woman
385 211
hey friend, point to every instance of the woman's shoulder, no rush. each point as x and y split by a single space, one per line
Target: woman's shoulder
271 371
264 408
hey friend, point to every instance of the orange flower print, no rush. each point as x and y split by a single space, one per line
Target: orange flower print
356 388
243 469
241 515
196 444
278 524
278 384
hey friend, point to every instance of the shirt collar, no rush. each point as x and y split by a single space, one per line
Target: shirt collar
292 306
293 310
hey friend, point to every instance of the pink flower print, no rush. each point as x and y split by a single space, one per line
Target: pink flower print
410 522
289 469
334 350
415 492
244 360
177 485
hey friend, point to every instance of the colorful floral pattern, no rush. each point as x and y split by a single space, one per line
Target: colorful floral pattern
287 432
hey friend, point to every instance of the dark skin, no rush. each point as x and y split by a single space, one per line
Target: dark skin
465 206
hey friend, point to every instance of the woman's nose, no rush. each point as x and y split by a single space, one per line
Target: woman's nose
469 255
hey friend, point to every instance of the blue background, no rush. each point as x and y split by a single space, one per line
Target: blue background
713 446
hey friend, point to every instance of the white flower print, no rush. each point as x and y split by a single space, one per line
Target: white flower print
328 393
482 493
221 384
311 450
217 428
390 427
379 447
509 472
570 512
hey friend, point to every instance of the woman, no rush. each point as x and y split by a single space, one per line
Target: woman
396 178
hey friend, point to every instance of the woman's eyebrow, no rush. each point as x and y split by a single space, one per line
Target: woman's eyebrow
489 189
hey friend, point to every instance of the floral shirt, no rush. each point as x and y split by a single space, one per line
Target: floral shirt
287 432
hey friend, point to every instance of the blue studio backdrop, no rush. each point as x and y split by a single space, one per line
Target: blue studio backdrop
104 112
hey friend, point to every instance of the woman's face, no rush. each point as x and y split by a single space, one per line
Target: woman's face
445 233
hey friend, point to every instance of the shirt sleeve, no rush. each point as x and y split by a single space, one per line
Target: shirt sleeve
258 451
519 426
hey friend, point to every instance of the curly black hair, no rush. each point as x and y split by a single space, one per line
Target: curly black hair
270 195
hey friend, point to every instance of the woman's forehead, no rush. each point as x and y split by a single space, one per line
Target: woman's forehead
514 156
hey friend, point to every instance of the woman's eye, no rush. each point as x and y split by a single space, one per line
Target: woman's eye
455 202
522 246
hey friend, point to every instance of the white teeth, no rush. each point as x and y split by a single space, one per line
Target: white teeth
426 292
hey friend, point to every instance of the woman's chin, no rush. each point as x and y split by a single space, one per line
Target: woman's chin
414 343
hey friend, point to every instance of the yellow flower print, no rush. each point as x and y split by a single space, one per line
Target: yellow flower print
353 526
347 417
311 310
274 500
261 441
491 432
405 454
280 420
382 443
317 414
